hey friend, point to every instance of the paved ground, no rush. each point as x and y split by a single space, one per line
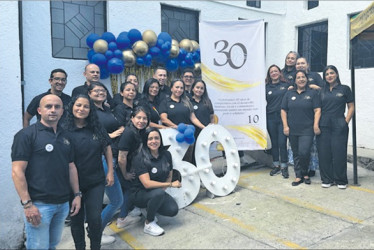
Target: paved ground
264 212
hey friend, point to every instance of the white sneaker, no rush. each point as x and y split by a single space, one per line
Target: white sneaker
342 186
144 213
135 212
153 229
128 220
107 239
326 185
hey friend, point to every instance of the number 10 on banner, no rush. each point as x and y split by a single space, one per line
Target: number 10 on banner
191 175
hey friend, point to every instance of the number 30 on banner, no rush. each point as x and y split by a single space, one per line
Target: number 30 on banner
191 175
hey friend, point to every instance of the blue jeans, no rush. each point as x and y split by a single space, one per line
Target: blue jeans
114 194
48 233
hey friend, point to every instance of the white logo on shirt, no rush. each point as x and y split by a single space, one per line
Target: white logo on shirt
195 107
270 92
171 106
154 170
293 98
49 147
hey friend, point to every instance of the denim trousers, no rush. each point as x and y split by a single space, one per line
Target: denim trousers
155 201
114 194
48 233
91 206
278 139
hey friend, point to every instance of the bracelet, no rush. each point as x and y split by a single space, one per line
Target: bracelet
24 204
28 205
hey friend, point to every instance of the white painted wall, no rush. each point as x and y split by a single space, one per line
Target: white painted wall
11 223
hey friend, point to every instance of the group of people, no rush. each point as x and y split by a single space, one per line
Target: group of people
304 107
92 143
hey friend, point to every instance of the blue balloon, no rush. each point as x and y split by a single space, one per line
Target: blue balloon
112 46
123 33
90 53
179 137
115 65
182 54
148 63
172 65
166 46
188 133
188 58
118 54
148 57
109 54
190 140
104 73
196 56
123 42
99 59
191 127
159 43
91 39
134 35
154 51
139 61
164 36
183 64
108 36
182 127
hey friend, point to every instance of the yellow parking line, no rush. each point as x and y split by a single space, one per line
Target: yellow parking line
246 226
302 203
244 176
362 189
126 236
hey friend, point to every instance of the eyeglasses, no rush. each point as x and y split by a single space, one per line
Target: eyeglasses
190 77
58 79
99 91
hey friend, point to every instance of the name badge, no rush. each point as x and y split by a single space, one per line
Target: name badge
171 106
49 147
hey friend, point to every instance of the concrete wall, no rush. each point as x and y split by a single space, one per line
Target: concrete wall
11 223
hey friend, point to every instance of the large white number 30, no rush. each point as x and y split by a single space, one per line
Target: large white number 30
191 175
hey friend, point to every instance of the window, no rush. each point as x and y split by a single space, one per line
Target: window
363 48
255 4
312 4
71 23
180 23
312 44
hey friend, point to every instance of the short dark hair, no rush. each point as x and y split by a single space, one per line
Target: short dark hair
188 70
159 67
56 71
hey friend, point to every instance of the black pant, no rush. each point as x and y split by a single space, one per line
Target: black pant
301 146
91 206
277 137
332 152
156 201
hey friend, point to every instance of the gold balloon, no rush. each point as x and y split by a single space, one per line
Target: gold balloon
150 37
197 68
174 51
195 45
140 48
128 57
100 46
174 42
186 44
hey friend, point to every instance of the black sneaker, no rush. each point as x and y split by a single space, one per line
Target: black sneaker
285 173
275 171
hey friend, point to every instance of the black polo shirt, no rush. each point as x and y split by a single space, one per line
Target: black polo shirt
202 111
130 141
333 103
118 99
123 113
289 75
274 95
32 109
300 110
83 90
176 111
158 168
315 78
153 109
165 92
88 152
110 123
48 155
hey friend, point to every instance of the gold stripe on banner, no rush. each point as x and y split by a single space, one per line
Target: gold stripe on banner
252 132
224 83
363 21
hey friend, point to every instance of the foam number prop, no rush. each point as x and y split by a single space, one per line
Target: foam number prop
191 174
190 178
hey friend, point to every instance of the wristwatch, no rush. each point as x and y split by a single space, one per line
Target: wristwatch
25 203
79 193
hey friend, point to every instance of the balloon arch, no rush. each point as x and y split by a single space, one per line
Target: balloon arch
134 52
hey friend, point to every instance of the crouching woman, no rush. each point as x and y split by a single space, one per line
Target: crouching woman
153 168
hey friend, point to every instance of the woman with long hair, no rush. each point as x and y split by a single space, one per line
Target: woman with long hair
289 69
128 144
123 110
301 111
276 88
151 100
154 170
118 98
90 141
332 142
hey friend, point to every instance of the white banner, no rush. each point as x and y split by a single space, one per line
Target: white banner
233 67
